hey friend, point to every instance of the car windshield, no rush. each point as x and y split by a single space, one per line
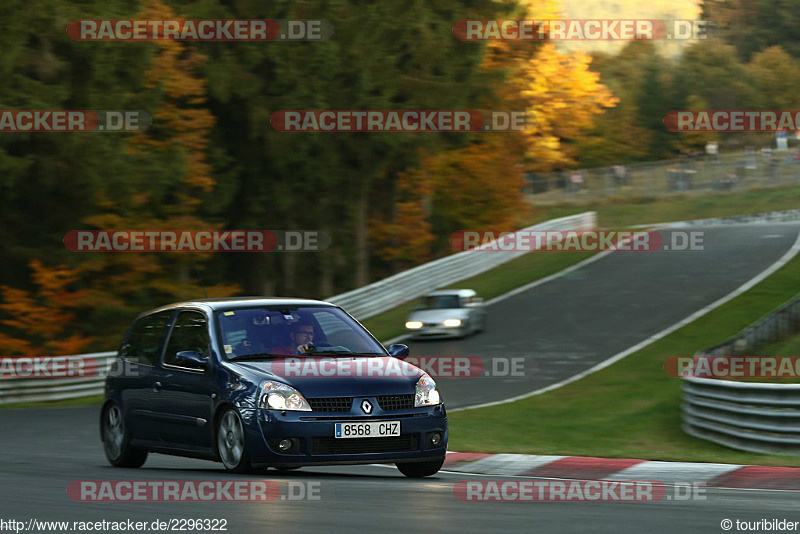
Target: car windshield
278 331
440 302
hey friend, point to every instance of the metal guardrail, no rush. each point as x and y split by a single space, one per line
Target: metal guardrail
769 217
390 292
774 326
755 417
15 390
363 302
748 416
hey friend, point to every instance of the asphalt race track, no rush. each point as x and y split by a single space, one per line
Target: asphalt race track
560 328
46 449
566 326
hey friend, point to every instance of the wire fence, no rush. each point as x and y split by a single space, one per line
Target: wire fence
699 173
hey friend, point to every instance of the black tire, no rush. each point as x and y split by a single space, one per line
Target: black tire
231 443
117 440
421 469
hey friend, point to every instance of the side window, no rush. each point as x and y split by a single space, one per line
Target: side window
189 333
144 338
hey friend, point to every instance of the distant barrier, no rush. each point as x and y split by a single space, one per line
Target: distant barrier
15 390
755 417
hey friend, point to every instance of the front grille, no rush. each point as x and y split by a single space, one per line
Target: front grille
390 403
408 442
331 404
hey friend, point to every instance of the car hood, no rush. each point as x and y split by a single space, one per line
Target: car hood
437 316
326 376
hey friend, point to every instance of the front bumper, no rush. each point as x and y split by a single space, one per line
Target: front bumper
314 443
437 331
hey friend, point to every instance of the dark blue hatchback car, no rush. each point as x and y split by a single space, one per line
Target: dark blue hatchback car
268 382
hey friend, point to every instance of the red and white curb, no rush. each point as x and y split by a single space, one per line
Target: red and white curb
589 468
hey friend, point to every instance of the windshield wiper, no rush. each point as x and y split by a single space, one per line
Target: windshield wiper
329 351
258 356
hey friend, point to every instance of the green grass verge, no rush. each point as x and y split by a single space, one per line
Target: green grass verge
787 347
630 409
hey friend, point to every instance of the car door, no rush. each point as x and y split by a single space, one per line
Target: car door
477 312
185 402
139 354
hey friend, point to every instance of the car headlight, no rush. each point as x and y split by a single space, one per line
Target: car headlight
426 392
452 322
278 396
413 325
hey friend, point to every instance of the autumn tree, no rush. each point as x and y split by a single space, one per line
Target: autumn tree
754 25
480 185
42 321
169 188
776 76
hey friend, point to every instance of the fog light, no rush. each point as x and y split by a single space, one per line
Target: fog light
284 445
436 439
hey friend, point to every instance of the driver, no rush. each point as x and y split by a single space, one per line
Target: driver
302 337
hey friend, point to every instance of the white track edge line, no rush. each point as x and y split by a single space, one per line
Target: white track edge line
783 260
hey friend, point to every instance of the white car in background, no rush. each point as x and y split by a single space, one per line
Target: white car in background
447 313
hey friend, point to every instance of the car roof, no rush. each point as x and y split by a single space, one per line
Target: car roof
449 292
229 303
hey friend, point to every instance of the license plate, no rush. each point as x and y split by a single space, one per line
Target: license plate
373 429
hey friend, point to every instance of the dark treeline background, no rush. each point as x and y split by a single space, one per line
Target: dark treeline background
211 159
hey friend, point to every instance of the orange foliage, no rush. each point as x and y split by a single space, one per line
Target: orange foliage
406 236
181 122
41 320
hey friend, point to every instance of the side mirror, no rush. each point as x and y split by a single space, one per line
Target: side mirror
399 351
191 359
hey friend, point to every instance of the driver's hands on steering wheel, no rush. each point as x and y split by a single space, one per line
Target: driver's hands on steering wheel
304 349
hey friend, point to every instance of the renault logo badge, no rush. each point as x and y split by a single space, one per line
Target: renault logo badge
366 406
